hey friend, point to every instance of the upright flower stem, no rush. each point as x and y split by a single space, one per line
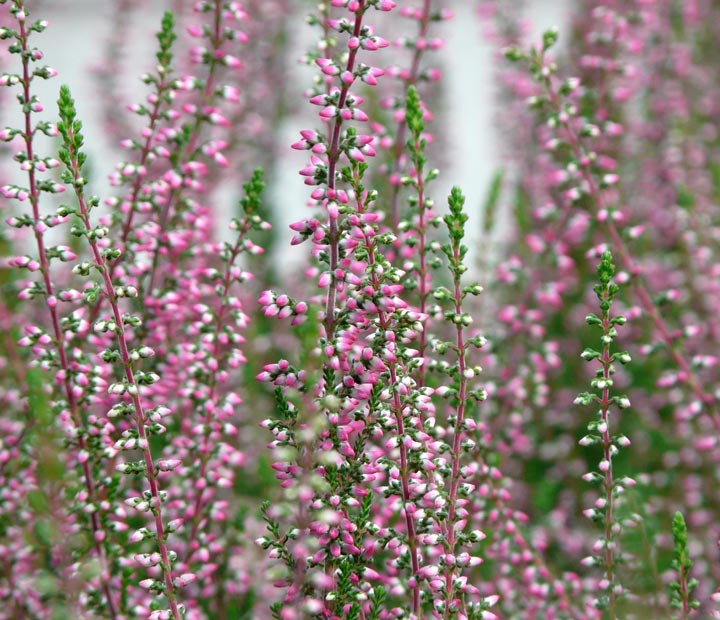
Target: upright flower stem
333 158
605 550
334 154
458 432
162 86
416 145
243 227
73 141
212 383
190 150
159 100
399 142
384 320
608 484
456 253
59 337
682 588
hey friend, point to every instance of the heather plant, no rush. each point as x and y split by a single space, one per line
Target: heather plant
607 553
191 430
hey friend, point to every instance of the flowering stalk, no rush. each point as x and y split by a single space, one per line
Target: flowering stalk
454 537
410 78
376 380
33 164
188 149
73 158
606 553
211 408
397 374
418 226
139 197
148 151
361 306
340 107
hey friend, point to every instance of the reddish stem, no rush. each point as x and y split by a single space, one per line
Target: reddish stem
190 151
422 272
139 414
399 143
333 158
384 321
137 184
457 435
34 195
608 483
213 380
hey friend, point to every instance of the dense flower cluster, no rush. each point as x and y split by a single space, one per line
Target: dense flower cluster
190 430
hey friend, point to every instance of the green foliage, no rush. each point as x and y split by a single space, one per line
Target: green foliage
70 129
681 589
252 201
165 38
414 114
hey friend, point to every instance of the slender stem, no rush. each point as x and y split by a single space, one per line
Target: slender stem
333 158
399 143
73 405
422 271
144 153
608 483
132 198
139 414
212 382
190 151
684 593
457 435
384 321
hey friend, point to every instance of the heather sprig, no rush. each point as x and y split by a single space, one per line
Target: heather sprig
131 380
411 77
453 594
414 235
606 552
184 145
215 355
134 173
340 105
400 410
75 380
681 590
376 397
